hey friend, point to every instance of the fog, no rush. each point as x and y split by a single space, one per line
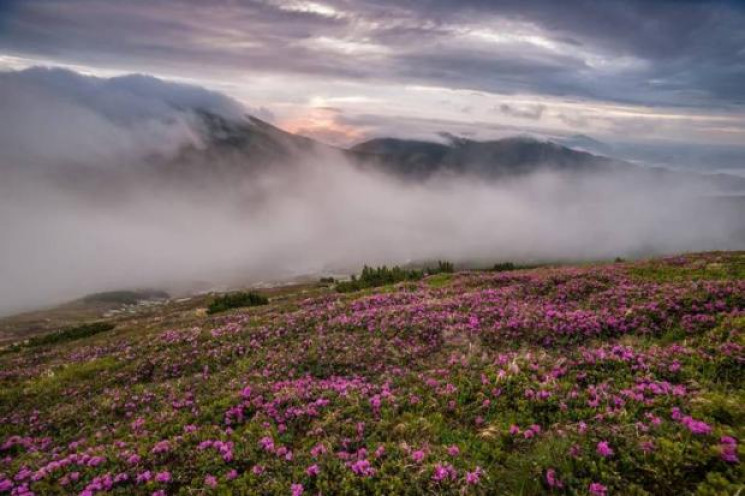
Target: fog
84 208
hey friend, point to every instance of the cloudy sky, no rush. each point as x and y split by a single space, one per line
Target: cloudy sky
345 70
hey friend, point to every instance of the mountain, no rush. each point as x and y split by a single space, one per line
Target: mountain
587 144
416 160
230 152
240 145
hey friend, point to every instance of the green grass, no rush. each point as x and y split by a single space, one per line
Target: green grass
439 280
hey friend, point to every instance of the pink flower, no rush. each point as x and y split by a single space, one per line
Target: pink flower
317 450
161 447
604 449
267 443
647 446
164 477
210 481
552 480
144 477
453 450
696 426
362 468
380 451
443 472
297 489
728 447
472 478
232 474
6 484
417 456
313 470
597 489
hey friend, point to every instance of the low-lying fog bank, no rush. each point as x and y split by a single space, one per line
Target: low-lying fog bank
82 210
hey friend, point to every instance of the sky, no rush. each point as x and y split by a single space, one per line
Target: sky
343 71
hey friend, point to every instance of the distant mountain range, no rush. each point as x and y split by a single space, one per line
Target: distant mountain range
485 159
253 145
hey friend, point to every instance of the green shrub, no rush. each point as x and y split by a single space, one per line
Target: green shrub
443 267
504 267
236 300
379 276
71 333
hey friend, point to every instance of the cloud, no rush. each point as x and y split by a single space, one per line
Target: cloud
106 120
574 120
681 54
533 112
126 220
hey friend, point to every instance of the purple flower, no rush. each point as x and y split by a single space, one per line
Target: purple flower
297 489
317 450
696 426
597 489
444 472
728 448
161 447
6 484
313 470
552 480
164 476
267 443
143 477
362 468
604 449
472 478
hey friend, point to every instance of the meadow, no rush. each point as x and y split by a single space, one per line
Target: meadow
598 379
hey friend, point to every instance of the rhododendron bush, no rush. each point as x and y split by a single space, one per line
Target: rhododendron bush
625 378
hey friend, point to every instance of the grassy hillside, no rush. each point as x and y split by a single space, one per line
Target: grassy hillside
609 379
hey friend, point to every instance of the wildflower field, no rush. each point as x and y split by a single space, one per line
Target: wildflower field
610 379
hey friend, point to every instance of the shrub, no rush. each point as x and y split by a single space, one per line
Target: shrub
236 300
71 333
443 267
504 267
379 276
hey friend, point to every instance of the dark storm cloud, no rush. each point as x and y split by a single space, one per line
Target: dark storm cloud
684 53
